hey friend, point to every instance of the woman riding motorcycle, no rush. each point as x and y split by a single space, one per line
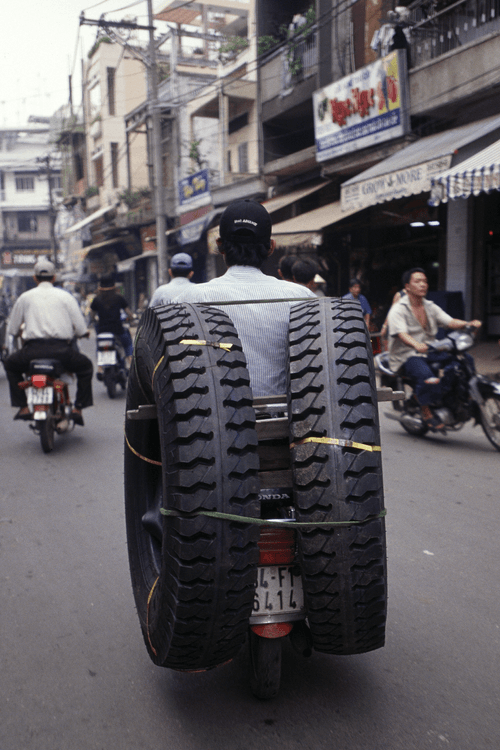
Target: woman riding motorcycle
107 306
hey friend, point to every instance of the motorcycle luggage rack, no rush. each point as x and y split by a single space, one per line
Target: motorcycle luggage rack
148 411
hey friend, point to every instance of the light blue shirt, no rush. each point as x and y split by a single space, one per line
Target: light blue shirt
262 328
365 305
168 292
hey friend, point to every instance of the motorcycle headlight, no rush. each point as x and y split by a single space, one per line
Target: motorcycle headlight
463 342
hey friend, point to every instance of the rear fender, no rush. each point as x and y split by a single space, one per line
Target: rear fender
481 387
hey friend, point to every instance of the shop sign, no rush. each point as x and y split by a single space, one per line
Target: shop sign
194 191
365 108
22 257
192 232
398 184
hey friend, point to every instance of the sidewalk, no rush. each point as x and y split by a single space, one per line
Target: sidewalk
487 358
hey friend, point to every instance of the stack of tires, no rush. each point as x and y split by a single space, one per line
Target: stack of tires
193 576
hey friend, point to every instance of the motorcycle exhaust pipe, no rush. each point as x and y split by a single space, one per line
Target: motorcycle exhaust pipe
301 639
414 423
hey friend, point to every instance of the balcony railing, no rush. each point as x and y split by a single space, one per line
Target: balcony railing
435 30
299 59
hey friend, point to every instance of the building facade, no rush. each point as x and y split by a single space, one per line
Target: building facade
30 187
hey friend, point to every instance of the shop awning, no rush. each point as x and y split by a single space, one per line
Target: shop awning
105 243
478 174
88 219
306 229
129 263
411 170
275 204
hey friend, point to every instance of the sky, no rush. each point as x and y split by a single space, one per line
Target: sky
41 43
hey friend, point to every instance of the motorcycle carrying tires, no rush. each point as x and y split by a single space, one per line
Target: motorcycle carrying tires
193 577
332 394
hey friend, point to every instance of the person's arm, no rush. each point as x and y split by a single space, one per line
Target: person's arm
16 319
79 324
456 323
413 343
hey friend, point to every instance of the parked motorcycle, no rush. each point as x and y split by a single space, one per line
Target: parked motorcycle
470 395
110 358
48 398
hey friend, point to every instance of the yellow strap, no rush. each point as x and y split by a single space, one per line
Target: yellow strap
147 616
201 342
336 441
149 460
154 371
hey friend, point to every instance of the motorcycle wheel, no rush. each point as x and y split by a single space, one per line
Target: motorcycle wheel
490 420
332 394
110 381
47 433
193 576
265 666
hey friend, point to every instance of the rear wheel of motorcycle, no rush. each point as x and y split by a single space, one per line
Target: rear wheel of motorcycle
47 434
110 382
490 420
332 394
193 576
265 666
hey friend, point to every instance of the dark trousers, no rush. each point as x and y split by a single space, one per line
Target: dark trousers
419 370
71 359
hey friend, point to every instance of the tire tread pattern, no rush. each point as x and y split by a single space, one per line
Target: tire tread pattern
198 613
332 393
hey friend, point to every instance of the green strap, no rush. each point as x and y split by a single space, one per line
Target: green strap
266 521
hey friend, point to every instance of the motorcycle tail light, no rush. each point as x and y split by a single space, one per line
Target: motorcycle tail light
39 381
273 629
276 545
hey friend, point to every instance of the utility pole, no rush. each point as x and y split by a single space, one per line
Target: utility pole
47 171
153 108
161 225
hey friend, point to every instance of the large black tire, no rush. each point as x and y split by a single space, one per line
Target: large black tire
265 666
193 577
47 433
490 420
332 394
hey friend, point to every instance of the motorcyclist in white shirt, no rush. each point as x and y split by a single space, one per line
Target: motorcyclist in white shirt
51 319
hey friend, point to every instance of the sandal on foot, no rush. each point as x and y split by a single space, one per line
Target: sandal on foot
76 416
435 425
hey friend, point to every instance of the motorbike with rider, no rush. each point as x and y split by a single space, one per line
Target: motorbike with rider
444 389
111 313
50 320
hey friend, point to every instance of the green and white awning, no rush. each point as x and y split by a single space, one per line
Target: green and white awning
478 174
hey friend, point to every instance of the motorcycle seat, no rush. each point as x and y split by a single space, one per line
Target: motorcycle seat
46 367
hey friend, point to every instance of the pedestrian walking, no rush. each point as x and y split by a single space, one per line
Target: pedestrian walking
354 293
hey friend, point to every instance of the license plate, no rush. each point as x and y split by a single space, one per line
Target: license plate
106 358
40 395
278 592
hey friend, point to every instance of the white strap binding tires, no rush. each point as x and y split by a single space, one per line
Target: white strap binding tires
333 397
193 577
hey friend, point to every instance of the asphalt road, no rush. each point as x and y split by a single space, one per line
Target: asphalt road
75 674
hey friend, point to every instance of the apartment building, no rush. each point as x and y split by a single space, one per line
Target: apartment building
376 218
29 184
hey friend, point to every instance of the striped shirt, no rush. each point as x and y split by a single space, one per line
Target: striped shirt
262 328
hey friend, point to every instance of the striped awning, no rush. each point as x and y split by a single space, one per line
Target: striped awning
478 174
